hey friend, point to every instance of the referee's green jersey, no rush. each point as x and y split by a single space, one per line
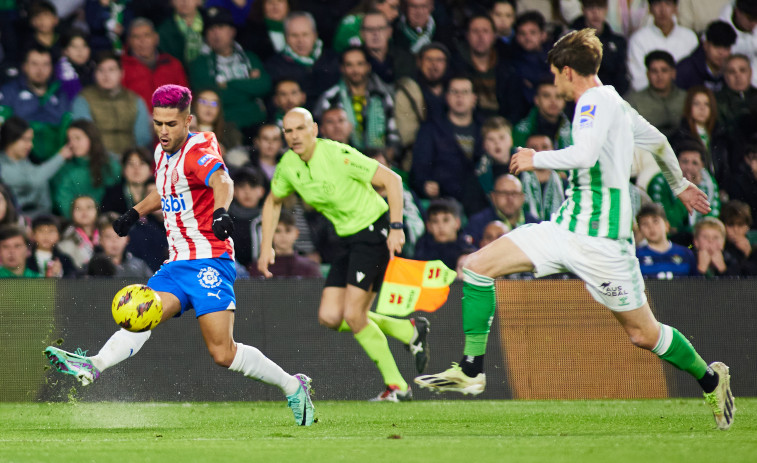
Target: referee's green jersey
336 181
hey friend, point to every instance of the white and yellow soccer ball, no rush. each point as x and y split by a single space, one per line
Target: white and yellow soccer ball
137 308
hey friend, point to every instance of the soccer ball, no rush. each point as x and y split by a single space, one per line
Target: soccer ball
137 308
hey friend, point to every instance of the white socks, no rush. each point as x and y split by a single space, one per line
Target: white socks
253 364
122 345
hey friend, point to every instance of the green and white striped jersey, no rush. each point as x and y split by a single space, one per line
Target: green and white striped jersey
605 130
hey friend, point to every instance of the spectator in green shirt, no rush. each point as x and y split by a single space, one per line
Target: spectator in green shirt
236 75
89 172
14 248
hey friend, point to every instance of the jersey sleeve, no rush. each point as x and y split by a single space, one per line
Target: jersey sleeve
357 165
591 124
204 158
649 138
281 187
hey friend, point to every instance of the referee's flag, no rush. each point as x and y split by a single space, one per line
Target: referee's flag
411 285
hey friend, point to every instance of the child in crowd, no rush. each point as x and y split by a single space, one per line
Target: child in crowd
287 262
737 218
498 145
45 258
249 190
113 248
81 237
442 239
268 146
709 246
659 257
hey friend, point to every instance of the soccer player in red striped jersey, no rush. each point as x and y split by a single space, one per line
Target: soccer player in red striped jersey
194 191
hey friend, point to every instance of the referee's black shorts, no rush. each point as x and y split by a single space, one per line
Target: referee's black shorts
363 258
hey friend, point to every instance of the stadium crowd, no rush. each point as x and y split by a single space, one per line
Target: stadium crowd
441 91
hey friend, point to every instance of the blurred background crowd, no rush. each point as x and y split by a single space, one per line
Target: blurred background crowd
441 91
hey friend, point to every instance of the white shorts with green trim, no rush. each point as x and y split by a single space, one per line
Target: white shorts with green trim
608 267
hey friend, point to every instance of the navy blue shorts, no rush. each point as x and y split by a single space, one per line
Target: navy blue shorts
205 285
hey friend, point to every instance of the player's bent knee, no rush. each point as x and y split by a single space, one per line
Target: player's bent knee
330 321
641 339
222 356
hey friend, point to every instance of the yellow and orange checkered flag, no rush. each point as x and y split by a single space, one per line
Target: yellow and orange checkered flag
411 285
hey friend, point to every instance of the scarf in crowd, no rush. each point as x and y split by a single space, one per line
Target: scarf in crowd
418 39
308 61
369 123
192 36
236 66
276 33
542 203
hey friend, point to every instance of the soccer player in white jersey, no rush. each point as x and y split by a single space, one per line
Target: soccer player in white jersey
590 235
194 191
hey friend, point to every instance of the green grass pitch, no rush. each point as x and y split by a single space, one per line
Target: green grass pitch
639 431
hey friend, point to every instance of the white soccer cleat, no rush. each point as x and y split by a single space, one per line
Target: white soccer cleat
453 380
721 399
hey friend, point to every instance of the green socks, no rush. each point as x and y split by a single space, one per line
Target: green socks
675 349
398 328
374 343
479 304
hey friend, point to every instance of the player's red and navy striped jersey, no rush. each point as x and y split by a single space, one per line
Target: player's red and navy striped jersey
187 199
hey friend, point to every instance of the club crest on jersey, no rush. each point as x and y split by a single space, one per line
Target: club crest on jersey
209 278
586 116
204 160
174 177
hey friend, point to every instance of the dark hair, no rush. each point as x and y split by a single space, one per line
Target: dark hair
651 210
659 55
41 6
509 2
651 2
282 80
350 49
105 55
594 3
71 34
441 206
720 34
433 46
101 266
532 16
690 144
12 130
44 221
98 156
11 214
485 17
287 218
141 152
11 231
106 219
736 212
36 49
579 50
748 7
689 101
249 176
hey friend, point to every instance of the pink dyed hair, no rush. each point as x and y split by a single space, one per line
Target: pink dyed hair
172 96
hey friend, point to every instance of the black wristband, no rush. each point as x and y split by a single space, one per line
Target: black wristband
396 225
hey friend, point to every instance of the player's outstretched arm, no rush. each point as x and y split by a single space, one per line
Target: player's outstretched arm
123 224
270 214
392 183
694 199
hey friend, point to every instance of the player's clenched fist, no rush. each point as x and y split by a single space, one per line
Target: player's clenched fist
122 224
223 226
